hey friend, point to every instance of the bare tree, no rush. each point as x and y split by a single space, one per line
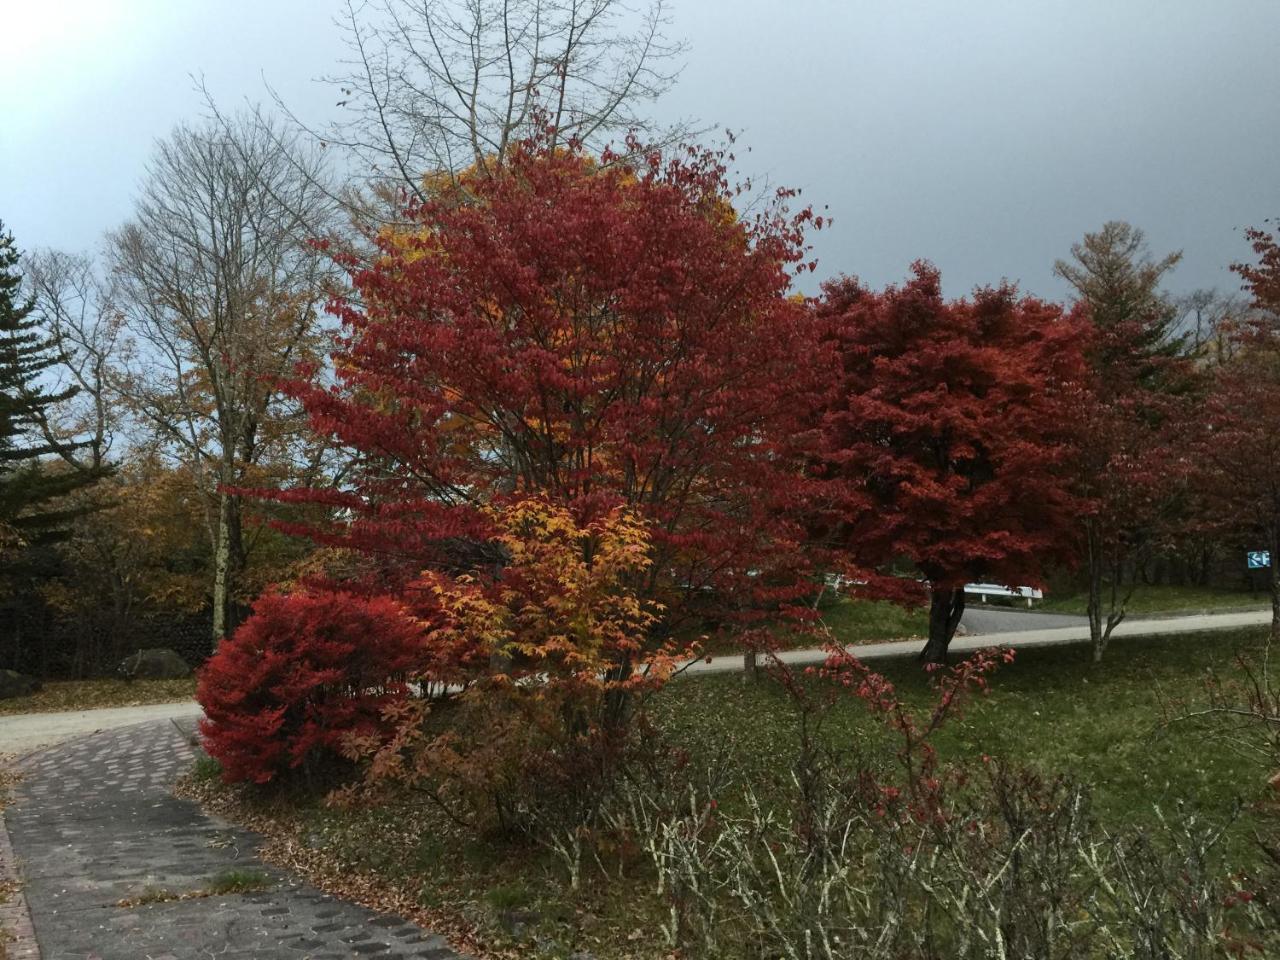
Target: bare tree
221 296
433 87
75 306
1211 320
1205 311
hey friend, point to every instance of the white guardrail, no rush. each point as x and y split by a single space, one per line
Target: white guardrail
985 590
981 590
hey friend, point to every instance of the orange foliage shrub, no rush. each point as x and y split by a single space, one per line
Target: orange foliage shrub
553 657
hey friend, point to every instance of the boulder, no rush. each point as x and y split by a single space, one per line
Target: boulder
158 663
15 684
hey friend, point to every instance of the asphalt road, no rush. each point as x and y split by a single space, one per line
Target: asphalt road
1038 636
986 619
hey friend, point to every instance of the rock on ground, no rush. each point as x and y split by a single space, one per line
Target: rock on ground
157 663
15 684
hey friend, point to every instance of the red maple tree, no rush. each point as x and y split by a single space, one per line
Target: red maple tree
1239 455
1130 464
1239 441
1262 279
599 335
948 428
1131 481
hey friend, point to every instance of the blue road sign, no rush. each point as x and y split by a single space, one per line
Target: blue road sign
1258 559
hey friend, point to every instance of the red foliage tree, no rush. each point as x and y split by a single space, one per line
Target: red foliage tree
948 429
1130 469
1239 444
303 674
1239 454
1132 484
1262 280
597 335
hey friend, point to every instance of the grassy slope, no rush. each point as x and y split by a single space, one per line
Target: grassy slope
1148 600
1051 709
91 694
870 621
850 621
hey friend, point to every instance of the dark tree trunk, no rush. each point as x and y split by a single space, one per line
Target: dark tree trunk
1093 564
1202 577
946 606
617 700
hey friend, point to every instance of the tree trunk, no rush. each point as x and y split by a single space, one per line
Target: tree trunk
1094 562
228 562
499 663
616 708
946 607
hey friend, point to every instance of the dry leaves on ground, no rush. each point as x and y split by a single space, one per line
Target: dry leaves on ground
8 887
284 848
60 695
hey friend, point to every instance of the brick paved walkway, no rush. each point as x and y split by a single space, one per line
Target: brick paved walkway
93 822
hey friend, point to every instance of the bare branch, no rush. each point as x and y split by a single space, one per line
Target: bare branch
436 86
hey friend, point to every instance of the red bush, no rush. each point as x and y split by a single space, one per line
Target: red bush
304 671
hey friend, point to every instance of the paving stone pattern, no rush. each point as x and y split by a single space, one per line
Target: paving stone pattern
19 940
94 822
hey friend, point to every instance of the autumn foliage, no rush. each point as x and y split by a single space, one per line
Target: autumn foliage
598 335
561 619
1237 453
1238 456
573 403
304 672
947 440
1130 458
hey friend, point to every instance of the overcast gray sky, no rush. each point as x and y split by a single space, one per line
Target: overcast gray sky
985 135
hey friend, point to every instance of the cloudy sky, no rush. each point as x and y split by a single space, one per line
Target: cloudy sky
985 135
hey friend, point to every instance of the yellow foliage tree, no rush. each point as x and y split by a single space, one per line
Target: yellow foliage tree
565 612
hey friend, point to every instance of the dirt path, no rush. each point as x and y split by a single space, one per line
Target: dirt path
23 732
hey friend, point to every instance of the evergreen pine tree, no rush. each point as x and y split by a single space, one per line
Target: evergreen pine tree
32 491
1136 323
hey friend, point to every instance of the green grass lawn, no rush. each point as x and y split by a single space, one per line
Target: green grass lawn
871 621
1150 600
60 695
1051 710
851 621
